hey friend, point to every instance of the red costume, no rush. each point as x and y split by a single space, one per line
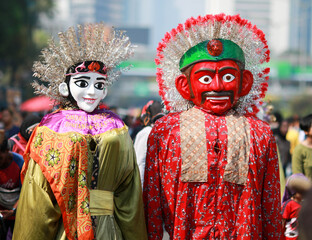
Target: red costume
215 209
290 211
212 168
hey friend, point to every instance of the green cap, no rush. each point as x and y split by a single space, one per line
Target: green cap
212 50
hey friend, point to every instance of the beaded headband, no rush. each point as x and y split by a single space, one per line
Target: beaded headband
93 67
178 41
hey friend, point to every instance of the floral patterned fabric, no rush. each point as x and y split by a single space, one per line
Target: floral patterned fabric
67 178
215 209
58 175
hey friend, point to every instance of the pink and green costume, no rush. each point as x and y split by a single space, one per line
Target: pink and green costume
57 178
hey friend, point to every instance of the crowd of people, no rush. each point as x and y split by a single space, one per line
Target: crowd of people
293 137
201 164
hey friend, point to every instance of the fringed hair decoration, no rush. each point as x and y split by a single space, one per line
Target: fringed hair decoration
194 31
90 42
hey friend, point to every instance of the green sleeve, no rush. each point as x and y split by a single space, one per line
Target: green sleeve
297 160
38 214
129 210
119 173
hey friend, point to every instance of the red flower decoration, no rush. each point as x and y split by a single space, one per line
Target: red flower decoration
215 47
94 66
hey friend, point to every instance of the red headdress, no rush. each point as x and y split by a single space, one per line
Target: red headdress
194 31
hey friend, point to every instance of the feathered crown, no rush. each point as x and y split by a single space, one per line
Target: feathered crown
91 42
194 31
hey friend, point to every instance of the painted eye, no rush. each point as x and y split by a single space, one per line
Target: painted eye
82 83
205 79
228 77
99 85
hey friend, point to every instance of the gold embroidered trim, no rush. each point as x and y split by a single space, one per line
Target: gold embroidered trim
193 146
238 149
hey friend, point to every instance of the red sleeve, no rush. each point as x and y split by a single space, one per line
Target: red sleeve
286 211
151 193
272 218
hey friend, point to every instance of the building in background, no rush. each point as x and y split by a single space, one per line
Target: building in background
271 16
258 12
301 26
286 23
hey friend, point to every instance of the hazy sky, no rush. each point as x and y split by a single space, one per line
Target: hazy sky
163 15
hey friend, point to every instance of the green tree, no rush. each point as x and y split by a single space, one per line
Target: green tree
300 104
18 48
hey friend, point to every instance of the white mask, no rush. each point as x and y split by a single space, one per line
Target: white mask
87 89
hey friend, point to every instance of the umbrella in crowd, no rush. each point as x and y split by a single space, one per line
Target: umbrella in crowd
37 104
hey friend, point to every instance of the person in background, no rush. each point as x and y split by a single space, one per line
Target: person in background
9 127
133 121
10 184
293 132
296 187
282 143
150 113
266 114
305 217
302 155
212 168
114 109
18 142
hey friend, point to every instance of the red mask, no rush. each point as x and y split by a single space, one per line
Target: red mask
215 86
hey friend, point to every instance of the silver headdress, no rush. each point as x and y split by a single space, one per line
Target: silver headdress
194 31
91 42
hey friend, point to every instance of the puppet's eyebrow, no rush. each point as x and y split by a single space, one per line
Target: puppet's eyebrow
226 68
101 78
205 70
82 77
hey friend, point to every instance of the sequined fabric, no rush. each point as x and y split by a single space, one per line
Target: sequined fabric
215 209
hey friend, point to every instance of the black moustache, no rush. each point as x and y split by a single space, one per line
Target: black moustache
230 94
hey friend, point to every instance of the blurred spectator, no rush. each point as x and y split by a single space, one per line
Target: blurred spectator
302 155
282 143
136 127
1 123
128 120
18 142
276 121
293 132
10 184
150 113
9 127
266 113
305 217
296 187
113 109
132 120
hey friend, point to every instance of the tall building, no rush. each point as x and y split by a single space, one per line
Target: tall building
271 16
300 26
258 12
108 11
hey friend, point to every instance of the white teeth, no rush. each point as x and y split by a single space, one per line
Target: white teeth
218 98
89 100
